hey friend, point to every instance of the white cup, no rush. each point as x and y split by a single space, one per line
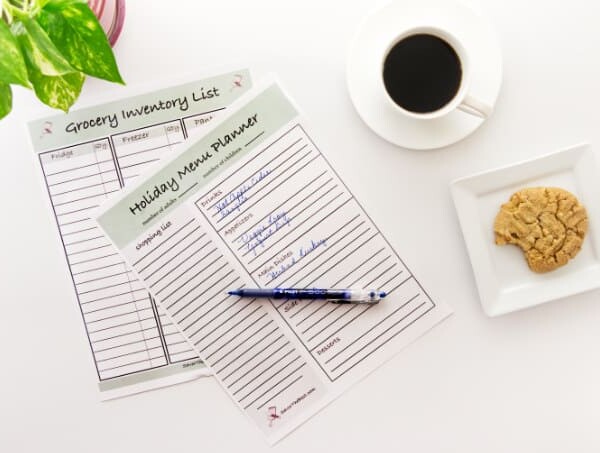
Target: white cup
462 100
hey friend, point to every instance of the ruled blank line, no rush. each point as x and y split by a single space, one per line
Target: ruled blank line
102 278
112 295
78 168
248 338
77 210
186 270
137 321
163 243
82 177
281 391
79 231
179 299
269 378
231 362
187 190
219 303
261 363
143 151
212 331
133 363
139 163
237 334
97 258
96 351
83 240
378 336
374 326
222 312
254 356
172 247
177 255
116 305
99 268
273 386
103 183
232 328
88 250
251 141
129 353
268 367
103 194
123 334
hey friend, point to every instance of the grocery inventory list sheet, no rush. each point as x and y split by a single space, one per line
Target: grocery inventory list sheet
89 155
254 203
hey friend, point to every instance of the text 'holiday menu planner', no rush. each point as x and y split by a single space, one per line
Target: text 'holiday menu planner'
254 203
86 156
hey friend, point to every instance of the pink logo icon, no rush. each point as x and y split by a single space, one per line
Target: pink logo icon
46 128
272 415
237 82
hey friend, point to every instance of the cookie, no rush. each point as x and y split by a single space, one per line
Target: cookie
548 223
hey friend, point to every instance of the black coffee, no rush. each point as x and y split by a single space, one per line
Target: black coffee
422 73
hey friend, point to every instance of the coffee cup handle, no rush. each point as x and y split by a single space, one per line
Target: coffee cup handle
475 107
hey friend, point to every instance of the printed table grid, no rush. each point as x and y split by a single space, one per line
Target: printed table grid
126 331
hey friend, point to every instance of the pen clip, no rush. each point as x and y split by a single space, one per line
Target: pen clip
348 301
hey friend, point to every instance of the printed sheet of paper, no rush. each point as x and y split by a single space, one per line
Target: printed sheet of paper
254 203
85 157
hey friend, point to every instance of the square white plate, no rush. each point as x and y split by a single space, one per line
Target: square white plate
504 280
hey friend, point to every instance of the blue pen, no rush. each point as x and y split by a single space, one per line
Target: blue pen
340 296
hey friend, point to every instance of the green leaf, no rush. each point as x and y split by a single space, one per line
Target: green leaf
53 3
59 92
76 32
56 3
39 51
12 65
5 99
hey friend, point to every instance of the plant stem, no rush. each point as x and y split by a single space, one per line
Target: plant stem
33 7
6 11
18 8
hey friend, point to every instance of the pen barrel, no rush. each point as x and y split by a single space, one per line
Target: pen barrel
309 293
354 295
256 292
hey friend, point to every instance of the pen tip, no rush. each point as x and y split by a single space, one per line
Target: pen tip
234 292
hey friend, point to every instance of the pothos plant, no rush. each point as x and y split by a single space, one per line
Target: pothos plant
50 46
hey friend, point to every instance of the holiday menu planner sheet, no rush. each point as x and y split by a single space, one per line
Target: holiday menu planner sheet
254 203
89 155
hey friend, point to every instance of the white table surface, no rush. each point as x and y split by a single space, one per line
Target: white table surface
524 382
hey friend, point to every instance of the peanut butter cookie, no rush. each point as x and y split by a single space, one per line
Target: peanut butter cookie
548 223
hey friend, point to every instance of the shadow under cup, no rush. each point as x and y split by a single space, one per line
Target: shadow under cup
422 73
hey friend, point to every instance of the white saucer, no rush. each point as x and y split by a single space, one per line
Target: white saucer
375 34
504 280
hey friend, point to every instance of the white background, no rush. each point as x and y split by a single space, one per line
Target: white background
524 382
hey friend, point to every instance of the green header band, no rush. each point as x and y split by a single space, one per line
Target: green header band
145 110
